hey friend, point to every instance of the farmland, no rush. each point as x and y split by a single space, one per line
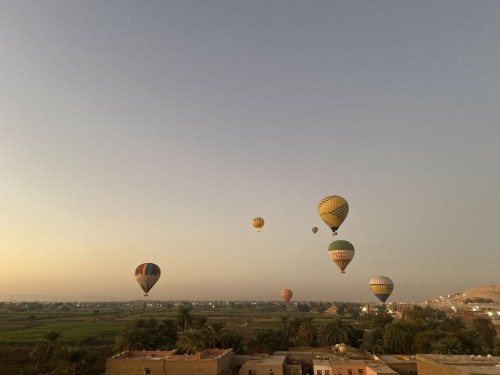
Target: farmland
95 325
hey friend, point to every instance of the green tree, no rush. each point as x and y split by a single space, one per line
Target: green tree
71 360
142 334
333 332
452 324
424 339
486 329
268 341
290 328
191 341
371 321
308 332
446 345
43 353
199 322
397 338
214 332
373 341
184 317
168 333
233 339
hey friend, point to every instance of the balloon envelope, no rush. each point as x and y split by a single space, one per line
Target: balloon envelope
314 229
333 210
381 286
146 275
287 295
341 253
258 223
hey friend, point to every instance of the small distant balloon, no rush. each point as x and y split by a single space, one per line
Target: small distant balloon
287 295
381 287
333 210
258 223
341 253
146 275
314 229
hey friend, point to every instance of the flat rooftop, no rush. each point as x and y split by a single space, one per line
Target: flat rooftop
471 365
170 355
272 360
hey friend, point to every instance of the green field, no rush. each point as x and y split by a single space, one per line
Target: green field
21 331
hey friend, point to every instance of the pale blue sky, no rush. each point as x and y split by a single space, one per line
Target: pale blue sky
155 131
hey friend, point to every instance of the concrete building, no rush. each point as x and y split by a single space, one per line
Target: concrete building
436 364
264 365
402 364
322 367
330 361
207 362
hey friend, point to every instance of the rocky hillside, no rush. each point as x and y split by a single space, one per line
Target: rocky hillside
486 294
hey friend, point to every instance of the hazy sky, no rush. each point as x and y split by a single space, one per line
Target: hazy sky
154 131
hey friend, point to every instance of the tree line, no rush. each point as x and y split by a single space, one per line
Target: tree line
418 331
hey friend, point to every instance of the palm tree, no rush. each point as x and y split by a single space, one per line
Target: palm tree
373 341
199 322
233 339
333 332
215 332
260 342
446 345
452 324
70 359
129 339
486 329
397 338
168 333
424 339
307 332
43 352
291 328
141 334
191 341
184 317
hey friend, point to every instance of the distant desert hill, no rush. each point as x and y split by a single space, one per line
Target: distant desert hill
482 294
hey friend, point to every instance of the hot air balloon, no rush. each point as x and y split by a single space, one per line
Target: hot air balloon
258 223
287 295
314 229
341 253
382 287
146 275
333 210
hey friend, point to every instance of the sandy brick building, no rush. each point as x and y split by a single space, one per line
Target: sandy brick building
437 364
207 362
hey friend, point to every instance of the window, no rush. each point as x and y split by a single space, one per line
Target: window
295 371
319 372
360 372
349 372
327 372
252 372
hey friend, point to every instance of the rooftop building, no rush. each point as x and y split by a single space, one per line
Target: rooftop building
207 362
436 364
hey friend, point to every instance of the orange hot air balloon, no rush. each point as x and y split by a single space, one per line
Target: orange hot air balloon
286 295
258 223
